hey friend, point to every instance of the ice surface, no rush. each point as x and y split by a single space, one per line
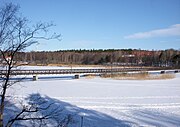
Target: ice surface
111 103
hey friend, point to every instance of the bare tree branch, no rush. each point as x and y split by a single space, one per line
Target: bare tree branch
15 36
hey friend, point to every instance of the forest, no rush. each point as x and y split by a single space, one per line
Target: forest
126 57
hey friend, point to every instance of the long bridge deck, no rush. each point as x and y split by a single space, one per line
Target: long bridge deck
70 71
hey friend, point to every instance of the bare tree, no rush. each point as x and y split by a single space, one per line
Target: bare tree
16 36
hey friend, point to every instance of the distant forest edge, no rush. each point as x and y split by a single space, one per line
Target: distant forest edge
121 57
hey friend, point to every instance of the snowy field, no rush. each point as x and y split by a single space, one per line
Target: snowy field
111 103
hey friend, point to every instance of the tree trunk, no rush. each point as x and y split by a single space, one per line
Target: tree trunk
1 120
4 93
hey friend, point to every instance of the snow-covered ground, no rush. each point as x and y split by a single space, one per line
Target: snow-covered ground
111 103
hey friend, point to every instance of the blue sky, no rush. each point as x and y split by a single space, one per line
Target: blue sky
107 24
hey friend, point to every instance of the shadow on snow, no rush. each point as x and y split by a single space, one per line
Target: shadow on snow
60 110
91 118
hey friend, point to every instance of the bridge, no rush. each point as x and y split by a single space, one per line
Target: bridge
70 71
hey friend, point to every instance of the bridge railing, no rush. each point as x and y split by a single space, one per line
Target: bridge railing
69 71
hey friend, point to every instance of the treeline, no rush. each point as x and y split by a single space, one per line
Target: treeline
131 57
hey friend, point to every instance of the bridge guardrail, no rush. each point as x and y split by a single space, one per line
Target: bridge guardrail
69 71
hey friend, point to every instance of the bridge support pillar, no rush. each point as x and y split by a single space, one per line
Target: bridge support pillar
76 76
35 77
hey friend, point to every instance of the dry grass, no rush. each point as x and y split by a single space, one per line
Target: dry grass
163 76
138 76
90 76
